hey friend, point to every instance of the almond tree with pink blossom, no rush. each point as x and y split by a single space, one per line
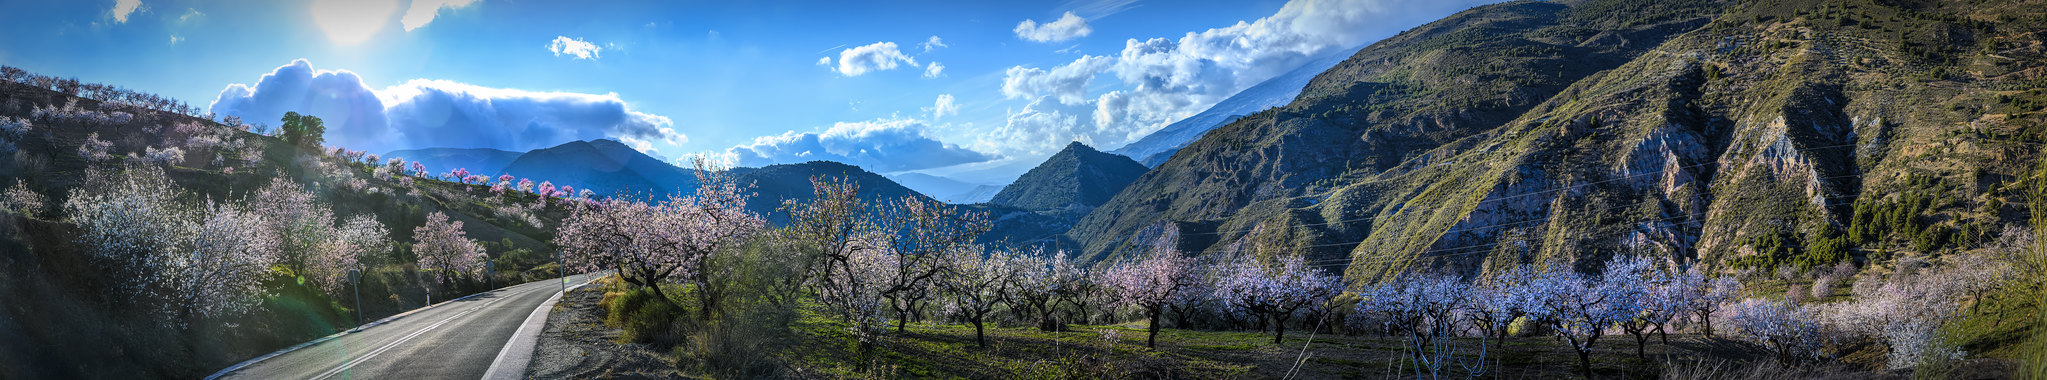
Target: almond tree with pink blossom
839 251
445 251
973 286
1151 282
1273 292
921 232
652 244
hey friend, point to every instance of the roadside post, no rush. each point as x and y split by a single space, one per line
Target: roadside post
355 277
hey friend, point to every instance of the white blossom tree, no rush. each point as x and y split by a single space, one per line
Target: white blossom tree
445 251
1273 292
973 286
1151 282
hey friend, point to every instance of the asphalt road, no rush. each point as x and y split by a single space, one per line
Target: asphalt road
455 340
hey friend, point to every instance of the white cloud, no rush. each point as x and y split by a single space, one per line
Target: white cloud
175 39
943 107
1068 82
435 113
123 8
824 61
885 145
934 69
1067 27
1039 128
879 56
190 13
574 47
932 43
1167 79
423 11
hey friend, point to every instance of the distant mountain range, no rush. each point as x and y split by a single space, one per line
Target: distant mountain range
1155 148
479 161
945 188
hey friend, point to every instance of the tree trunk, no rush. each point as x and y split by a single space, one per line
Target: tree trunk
1641 341
1151 340
1278 328
901 322
1584 362
1706 320
979 336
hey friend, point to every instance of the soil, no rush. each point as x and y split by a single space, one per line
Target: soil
577 345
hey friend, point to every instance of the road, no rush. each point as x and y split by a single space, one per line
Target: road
454 340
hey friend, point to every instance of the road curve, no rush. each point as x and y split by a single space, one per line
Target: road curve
453 340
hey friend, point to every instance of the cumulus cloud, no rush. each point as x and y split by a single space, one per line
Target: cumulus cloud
1167 79
934 69
123 8
943 107
423 11
824 61
932 43
1039 128
435 113
880 145
574 47
1068 82
879 56
1067 27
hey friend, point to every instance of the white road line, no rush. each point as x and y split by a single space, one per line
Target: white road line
387 347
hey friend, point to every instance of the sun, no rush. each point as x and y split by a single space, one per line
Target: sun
349 22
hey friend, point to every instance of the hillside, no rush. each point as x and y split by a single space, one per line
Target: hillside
480 161
1076 179
1746 135
604 166
69 321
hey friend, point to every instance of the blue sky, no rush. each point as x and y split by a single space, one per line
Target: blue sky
979 90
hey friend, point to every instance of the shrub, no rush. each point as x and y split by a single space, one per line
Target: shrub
642 317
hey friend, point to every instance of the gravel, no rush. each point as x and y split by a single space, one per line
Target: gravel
577 345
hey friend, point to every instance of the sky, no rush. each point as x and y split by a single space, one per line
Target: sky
975 90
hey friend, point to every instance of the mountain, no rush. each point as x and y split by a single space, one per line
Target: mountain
939 187
1730 135
1155 148
1077 178
480 161
774 184
604 166
979 194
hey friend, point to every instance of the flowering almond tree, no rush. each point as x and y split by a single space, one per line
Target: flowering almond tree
650 244
1423 306
1150 283
840 254
356 244
1580 309
222 272
1273 292
921 231
203 262
296 218
444 250
973 286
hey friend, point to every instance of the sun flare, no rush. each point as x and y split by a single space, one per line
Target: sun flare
350 22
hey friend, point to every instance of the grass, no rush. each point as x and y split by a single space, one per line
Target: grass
933 350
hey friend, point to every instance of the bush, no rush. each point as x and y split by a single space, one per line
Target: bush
643 317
